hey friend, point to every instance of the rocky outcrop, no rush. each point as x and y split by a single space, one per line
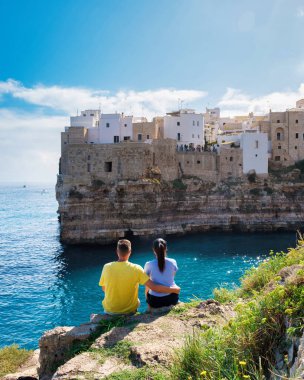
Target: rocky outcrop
143 339
99 213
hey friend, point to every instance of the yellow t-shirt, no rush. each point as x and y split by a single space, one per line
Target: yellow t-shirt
121 280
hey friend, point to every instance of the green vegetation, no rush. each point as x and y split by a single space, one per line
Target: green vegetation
145 373
184 307
120 350
105 325
244 347
178 184
11 358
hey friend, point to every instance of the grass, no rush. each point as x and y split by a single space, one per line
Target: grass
12 357
244 347
120 350
181 308
144 373
105 325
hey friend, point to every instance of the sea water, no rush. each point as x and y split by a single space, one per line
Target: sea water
44 283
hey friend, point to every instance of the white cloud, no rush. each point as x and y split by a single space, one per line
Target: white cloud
29 146
69 99
300 12
237 102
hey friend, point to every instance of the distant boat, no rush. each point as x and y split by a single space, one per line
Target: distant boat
43 191
24 186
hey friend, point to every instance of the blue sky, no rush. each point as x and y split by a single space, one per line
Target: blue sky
139 57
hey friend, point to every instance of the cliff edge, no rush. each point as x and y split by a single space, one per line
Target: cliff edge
255 331
99 213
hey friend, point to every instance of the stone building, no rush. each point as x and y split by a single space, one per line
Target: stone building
286 133
147 130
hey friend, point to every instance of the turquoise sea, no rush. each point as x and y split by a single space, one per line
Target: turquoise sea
44 284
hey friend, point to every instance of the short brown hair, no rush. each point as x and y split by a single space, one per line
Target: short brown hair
124 246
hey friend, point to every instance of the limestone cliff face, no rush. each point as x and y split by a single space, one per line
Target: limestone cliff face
93 212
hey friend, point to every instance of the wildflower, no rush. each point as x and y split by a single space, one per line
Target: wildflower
246 377
203 373
264 320
242 362
288 311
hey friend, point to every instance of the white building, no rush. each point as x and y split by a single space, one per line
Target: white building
255 152
114 128
87 119
185 126
254 146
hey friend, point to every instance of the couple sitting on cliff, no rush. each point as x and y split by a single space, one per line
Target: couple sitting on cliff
120 280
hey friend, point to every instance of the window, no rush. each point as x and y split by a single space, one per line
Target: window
193 135
296 147
297 121
278 121
297 135
277 158
126 125
89 157
148 136
116 139
256 155
91 114
198 162
198 136
89 168
126 138
278 136
108 125
108 166
178 123
84 114
279 147
231 158
139 137
193 123
256 144
178 137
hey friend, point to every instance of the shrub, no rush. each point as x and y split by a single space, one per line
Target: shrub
244 347
11 358
178 184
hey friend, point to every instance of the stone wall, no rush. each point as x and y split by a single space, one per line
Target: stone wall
198 164
230 162
123 161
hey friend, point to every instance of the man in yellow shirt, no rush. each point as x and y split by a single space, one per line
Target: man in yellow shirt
120 279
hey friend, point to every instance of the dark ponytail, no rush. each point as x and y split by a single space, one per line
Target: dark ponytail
160 248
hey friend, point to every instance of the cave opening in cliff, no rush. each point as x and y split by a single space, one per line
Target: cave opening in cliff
129 234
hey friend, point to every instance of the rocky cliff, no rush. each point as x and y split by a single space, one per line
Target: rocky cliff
253 332
94 212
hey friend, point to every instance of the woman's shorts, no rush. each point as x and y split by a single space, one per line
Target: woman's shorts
156 302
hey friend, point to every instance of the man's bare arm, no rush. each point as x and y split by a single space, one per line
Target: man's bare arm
162 289
103 288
